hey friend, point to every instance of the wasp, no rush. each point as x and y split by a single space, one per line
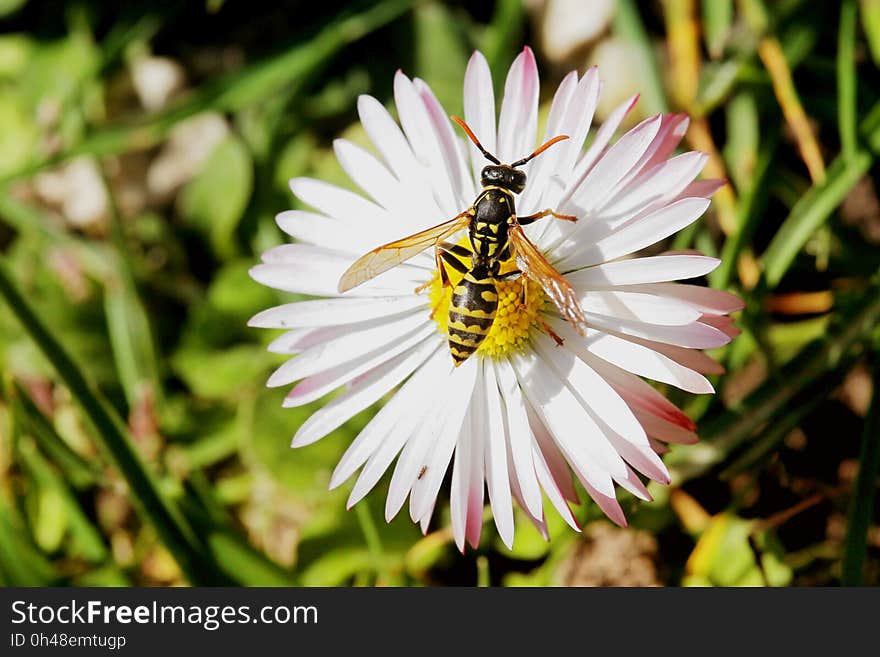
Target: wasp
495 236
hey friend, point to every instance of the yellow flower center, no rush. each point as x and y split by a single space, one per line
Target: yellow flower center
517 311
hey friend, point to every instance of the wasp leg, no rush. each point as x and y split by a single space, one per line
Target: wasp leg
445 254
558 340
525 221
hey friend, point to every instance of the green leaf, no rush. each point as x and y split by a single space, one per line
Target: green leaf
216 198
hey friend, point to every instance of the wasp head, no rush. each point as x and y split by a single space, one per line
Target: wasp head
503 175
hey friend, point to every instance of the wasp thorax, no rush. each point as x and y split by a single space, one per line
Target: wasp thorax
504 176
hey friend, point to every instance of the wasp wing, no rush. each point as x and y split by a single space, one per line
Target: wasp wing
383 258
534 265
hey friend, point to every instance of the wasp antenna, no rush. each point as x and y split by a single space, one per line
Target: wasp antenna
470 133
539 150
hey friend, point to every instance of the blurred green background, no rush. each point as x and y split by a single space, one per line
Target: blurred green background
144 151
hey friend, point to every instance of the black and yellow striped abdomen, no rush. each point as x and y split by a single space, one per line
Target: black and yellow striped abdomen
471 313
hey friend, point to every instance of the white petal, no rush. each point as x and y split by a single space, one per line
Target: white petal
519 437
608 172
388 140
368 390
692 359
312 270
706 300
642 360
672 132
518 123
637 393
633 306
634 485
550 485
475 479
312 228
577 121
597 147
422 137
339 203
547 173
371 336
456 168
417 388
414 457
479 109
315 387
635 236
453 426
335 312
458 491
696 335
568 422
551 456
634 271
385 446
661 429
425 521
295 341
597 397
658 185
497 478
641 457
608 503
411 427
369 174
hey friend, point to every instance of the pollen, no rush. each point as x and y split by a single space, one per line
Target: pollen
517 312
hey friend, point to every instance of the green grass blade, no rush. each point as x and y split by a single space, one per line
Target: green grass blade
172 529
814 207
810 212
864 494
128 326
846 78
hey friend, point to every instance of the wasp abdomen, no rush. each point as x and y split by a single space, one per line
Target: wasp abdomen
471 313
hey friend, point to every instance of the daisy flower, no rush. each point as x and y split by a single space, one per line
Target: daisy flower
524 418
